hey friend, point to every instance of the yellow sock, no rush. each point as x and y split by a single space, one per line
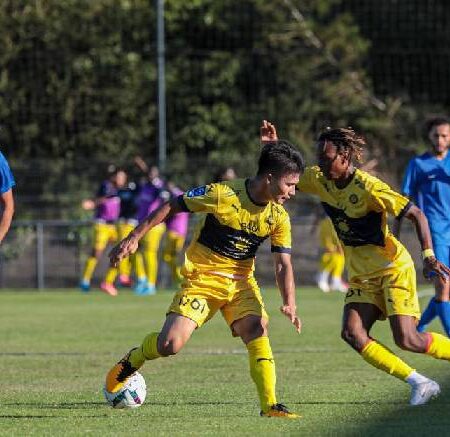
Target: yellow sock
91 263
262 371
125 267
111 275
439 346
382 358
147 351
151 264
138 262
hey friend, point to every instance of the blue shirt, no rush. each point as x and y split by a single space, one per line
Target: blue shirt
427 182
6 176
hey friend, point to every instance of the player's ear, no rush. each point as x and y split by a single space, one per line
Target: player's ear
269 178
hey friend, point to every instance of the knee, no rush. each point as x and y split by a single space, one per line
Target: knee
253 329
353 338
170 346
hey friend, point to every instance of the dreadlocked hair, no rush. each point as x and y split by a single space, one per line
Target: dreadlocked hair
345 139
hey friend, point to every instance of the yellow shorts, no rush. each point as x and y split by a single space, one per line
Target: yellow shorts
103 234
124 228
201 296
393 293
173 245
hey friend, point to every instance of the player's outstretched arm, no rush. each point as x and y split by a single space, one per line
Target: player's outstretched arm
268 133
130 244
430 263
285 280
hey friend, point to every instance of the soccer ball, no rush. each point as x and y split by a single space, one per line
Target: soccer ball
132 394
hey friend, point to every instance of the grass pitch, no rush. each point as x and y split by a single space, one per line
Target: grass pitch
57 346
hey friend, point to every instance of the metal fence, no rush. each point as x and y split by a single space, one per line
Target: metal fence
51 254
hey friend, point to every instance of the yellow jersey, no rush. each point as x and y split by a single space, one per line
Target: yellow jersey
226 241
359 215
328 238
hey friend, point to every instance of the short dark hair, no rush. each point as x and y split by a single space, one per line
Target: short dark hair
435 121
280 157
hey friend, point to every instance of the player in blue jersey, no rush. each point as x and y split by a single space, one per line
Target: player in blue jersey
6 196
427 182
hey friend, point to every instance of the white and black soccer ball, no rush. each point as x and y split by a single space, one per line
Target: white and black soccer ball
132 394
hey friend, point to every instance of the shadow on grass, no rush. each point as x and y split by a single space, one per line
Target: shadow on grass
402 419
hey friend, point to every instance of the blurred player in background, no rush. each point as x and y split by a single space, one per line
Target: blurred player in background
332 260
7 182
128 194
107 209
381 271
176 231
152 194
427 183
219 267
225 174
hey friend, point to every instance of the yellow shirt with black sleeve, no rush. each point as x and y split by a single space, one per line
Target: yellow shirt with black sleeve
378 264
234 227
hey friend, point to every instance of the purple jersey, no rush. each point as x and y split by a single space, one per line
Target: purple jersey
150 197
108 208
179 222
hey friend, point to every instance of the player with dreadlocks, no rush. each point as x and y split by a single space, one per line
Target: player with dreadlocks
381 271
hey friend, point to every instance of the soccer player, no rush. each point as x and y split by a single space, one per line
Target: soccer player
382 275
332 260
107 208
176 231
6 197
151 195
427 182
127 222
219 265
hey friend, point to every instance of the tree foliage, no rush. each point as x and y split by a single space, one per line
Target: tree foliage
78 81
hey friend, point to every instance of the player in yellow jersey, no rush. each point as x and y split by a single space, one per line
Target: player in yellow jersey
381 271
332 260
219 266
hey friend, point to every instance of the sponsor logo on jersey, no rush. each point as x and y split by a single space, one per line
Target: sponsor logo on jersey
195 192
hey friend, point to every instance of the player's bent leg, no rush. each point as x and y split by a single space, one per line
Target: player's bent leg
174 334
357 322
253 331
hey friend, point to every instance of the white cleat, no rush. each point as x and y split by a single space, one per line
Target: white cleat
423 392
323 285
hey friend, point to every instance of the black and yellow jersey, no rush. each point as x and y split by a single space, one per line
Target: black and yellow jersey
359 215
234 227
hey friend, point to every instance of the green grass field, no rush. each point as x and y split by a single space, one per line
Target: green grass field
56 347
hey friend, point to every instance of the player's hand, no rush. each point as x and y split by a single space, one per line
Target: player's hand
268 132
431 264
291 313
125 248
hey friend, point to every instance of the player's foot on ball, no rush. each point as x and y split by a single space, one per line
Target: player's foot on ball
108 289
422 393
118 375
279 410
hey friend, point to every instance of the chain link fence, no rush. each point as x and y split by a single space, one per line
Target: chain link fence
50 254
